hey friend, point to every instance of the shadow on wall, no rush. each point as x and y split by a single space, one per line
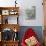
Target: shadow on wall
37 29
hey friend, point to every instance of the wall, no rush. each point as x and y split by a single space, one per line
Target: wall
24 4
7 3
37 29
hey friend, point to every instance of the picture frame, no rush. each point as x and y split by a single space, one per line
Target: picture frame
5 12
30 13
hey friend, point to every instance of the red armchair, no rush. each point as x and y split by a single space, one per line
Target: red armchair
30 34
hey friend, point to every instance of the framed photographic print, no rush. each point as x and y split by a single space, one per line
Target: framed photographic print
5 12
30 13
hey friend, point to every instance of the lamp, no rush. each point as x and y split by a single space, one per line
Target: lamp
15 3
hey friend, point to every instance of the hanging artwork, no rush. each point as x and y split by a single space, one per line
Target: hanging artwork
30 13
5 12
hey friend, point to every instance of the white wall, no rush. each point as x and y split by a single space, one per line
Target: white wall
39 13
23 4
7 3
